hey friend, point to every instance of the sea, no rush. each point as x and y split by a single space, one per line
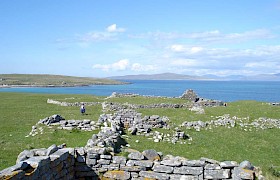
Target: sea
228 91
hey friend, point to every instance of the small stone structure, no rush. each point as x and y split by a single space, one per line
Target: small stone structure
198 101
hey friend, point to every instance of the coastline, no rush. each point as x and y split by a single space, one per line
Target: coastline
54 86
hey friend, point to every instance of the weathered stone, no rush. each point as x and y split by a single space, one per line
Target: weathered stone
151 154
212 167
144 163
188 170
246 165
96 150
162 168
40 152
153 117
133 168
136 156
134 175
217 174
24 155
62 153
17 174
119 159
93 156
104 161
212 161
38 161
153 175
51 149
113 166
80 158
183 177
103 156
228 164
240 173
194 163
117 174
130 162
91 162
171 162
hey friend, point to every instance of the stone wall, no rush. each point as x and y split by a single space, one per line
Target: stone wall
95 163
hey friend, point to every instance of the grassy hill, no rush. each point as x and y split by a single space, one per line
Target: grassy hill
51 80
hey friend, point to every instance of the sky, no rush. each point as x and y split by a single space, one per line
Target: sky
103 38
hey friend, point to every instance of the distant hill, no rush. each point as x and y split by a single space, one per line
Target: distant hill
51 80
163 76
174 76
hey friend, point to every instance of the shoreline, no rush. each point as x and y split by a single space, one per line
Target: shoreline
54 86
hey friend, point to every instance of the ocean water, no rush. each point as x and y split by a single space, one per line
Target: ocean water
220 90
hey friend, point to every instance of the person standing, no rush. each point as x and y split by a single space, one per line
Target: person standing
83 109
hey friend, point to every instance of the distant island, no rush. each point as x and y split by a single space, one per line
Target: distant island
47 80
209 77
163 76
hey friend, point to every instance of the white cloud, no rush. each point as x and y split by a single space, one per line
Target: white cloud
223 61
120 65
123 65
186 49
112 32
196 49
114 28
177 48
96 36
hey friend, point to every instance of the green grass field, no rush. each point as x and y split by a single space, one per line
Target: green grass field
19 112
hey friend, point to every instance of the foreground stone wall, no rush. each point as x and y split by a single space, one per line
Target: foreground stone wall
95 163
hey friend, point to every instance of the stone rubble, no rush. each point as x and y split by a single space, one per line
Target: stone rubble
231 122
51 101
59 122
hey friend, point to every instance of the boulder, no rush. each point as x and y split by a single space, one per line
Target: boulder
151 154
246 165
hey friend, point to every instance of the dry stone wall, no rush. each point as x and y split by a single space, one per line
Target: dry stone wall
95 163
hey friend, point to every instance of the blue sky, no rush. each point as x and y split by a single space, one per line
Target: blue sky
104 38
